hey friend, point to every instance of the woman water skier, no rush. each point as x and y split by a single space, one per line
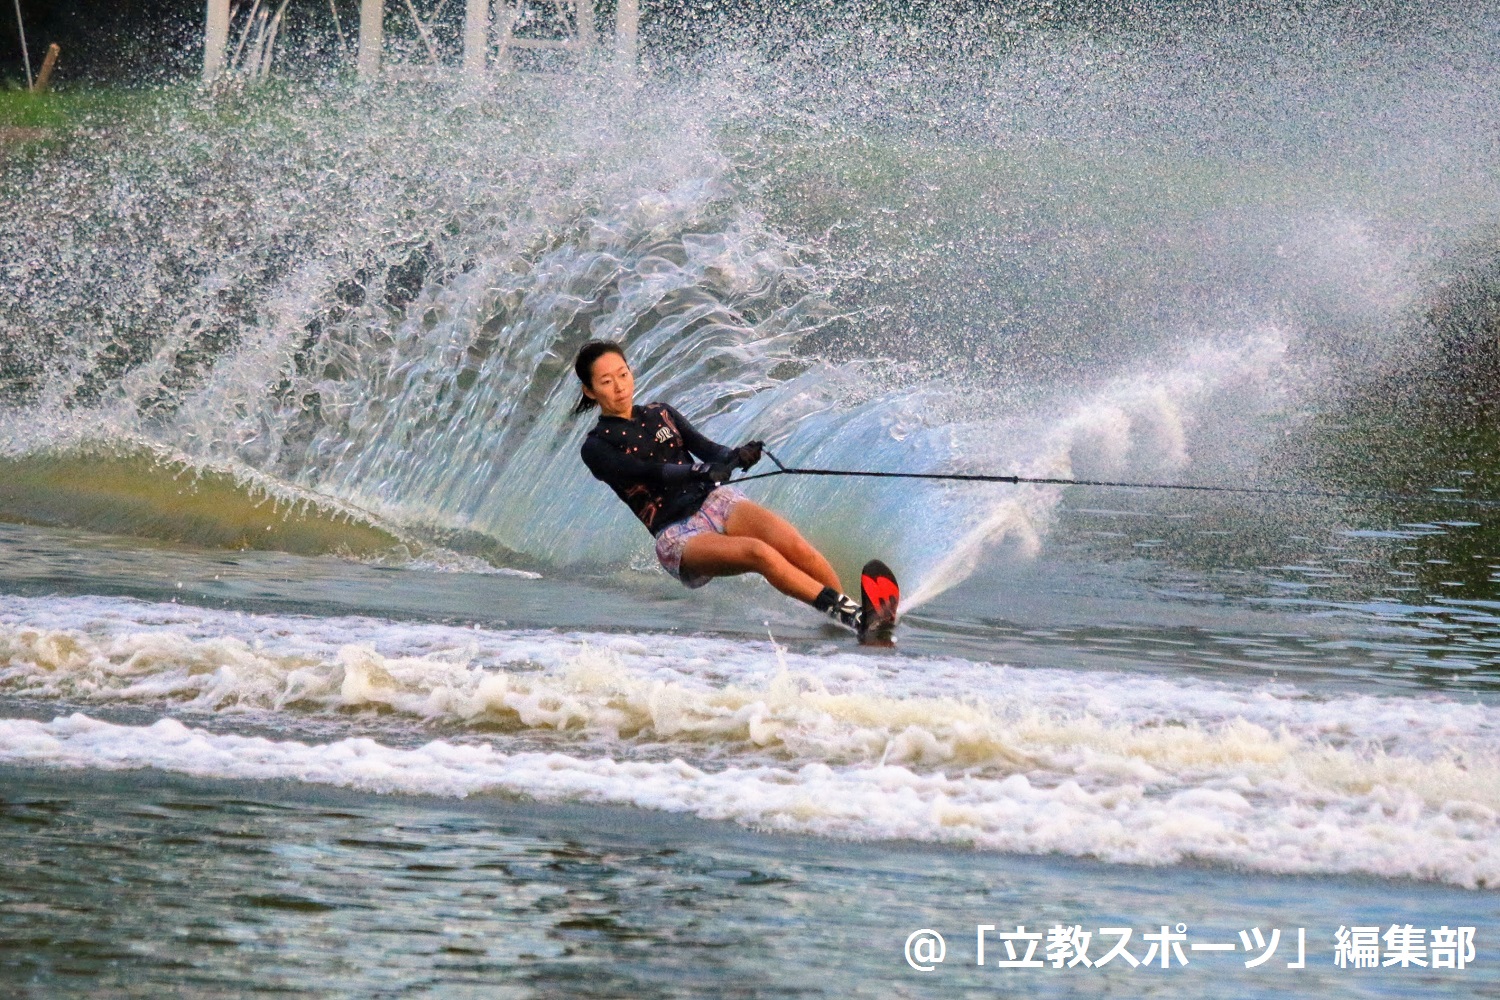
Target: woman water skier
703 528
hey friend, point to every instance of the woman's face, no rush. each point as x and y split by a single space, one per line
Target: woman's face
612 385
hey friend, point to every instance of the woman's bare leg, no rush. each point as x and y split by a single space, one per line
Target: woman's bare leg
748 519
711 554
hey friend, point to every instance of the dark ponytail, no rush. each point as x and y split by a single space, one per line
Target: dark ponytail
583 367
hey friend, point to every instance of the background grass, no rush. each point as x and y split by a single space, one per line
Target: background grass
75 107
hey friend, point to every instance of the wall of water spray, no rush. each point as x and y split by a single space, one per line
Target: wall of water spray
1041 245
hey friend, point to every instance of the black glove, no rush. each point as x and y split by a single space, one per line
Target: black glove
748 454
718 473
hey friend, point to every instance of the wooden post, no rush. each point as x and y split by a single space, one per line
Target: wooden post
627 27
371 37
44 78
476 37
215 38
583 13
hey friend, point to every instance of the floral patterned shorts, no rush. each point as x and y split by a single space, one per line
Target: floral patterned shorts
712 516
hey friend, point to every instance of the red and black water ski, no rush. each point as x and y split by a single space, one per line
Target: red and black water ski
879 596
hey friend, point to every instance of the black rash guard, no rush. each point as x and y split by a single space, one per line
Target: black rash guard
646 461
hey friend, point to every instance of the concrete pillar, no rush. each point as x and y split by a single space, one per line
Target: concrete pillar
583 10
627 27
476 36
371 37
215 38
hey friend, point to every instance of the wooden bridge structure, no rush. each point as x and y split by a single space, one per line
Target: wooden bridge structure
489 35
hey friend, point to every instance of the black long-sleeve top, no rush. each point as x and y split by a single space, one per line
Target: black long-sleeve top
647 460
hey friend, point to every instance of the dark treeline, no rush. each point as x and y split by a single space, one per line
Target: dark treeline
104 40
146 41
149 41
152 41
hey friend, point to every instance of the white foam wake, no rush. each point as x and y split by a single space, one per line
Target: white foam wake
1107 765
1379 831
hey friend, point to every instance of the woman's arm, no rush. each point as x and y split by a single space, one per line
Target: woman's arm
693 439
612 465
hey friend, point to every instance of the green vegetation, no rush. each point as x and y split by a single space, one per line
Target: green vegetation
62 111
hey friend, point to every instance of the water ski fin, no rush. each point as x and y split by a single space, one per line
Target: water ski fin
880 595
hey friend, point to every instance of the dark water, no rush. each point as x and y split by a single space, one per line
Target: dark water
140 885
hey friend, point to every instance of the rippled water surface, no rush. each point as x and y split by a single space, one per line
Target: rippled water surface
161 884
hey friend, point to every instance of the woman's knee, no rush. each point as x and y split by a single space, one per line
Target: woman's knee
792 546
760 555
